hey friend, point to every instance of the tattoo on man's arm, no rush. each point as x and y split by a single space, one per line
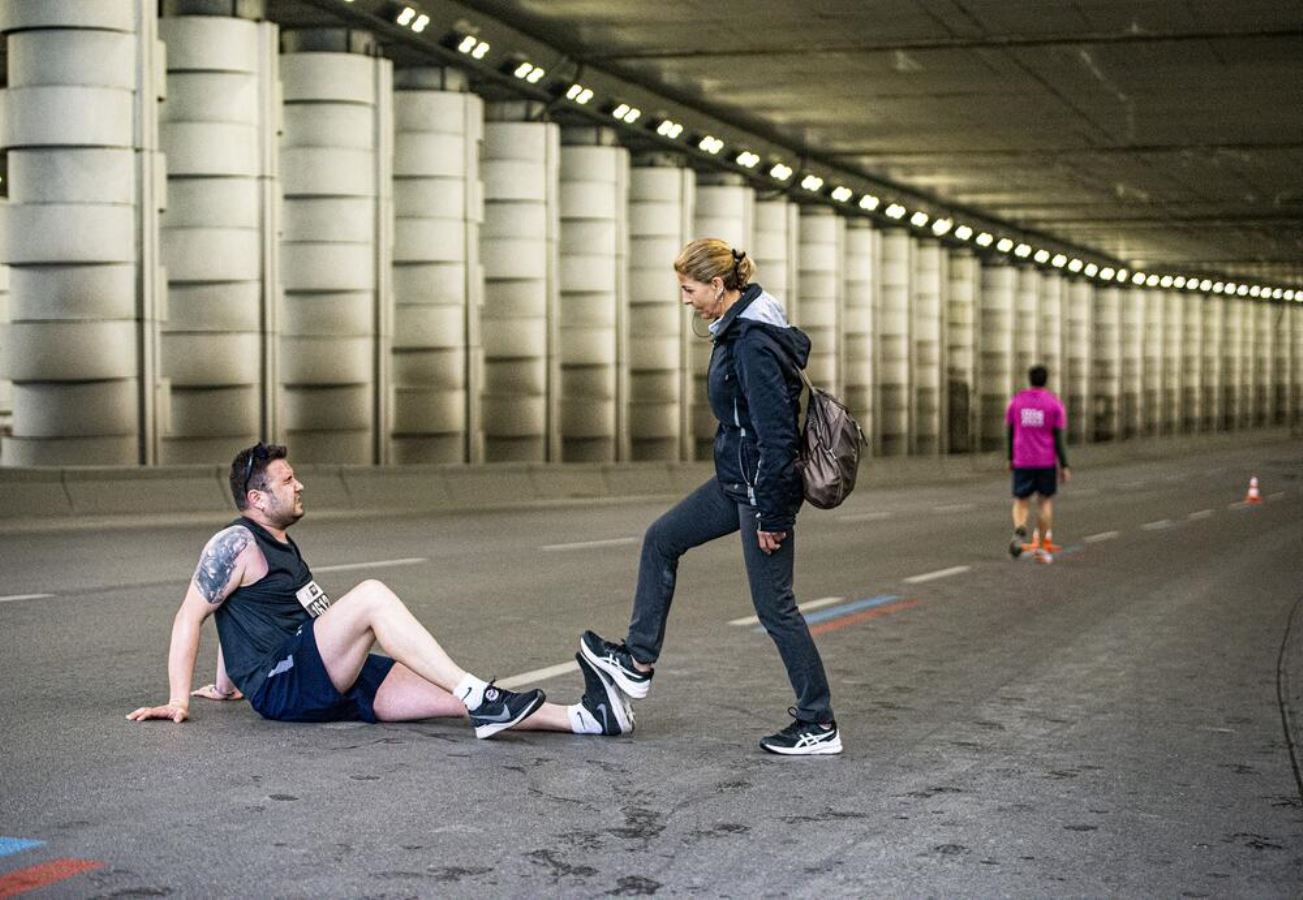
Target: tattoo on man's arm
218 562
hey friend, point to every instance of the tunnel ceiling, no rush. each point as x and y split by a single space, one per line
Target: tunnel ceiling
1166 134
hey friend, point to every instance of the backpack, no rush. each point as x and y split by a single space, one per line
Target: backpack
829 456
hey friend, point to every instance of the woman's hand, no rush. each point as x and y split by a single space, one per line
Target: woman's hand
769 540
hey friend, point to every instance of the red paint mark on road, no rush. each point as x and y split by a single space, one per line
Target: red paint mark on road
876 613
20 881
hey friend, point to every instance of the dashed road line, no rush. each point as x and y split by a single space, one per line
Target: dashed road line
1200 514
955 507
378 564
864 517
939 573
1157 526
586 545
12 597
1276 496
803 607
542 674
1102 536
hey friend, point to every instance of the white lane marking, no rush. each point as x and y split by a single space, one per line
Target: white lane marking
543 674
1238 504
1102 536
1084 492
803 607
939 573
378 564
1200 514
1155 526
24 597
584 545
956 507
1276 496
864 517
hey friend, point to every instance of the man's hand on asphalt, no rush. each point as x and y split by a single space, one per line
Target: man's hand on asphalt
175 711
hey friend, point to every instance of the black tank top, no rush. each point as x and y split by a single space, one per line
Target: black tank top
257 618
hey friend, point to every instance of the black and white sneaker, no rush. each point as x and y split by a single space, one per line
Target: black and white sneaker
502 708
804 739
604 701
615 661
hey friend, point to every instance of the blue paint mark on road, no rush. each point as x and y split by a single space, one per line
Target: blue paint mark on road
845 609
10 846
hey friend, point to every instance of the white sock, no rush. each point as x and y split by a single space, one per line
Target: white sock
582 721
470 691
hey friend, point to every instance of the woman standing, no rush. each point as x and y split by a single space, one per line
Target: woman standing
754 386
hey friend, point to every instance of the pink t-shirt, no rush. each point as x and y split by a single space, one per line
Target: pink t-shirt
1034 413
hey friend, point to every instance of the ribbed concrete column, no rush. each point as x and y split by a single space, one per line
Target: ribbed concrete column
775 251
858 323
1232 348
594 309
1151 366
1296 365
1106 365
1026 323
86 186
1212 376
518 245
1173 332
1248 362
995 334
820 259
893 342
1278 402
961 351
661 199
1078 333
926 313
1192 375
1051 329
218 129
336 164
1134 308
1264 388
725 210
438 278
6 387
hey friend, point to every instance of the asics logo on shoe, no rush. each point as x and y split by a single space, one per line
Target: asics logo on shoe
809 740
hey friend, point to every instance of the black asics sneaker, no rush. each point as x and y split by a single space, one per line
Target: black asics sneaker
502 708
614 660
604 701
804 739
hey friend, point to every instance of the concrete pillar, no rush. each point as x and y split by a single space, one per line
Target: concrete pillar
6 387
1248 412
1151 366
1279 400
1051 329
1232 348
1212 377
337 165
775 249
660 223
926 346
995 372
821 255
1106 365
1134 309
594 309
518 246
438 354
86 186
858 325
1191 350
1078 333
1264 358
1296 366
1173 333
961 351
218 129
725 210
894 343
1026 323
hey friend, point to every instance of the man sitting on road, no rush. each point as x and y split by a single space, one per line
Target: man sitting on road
300 657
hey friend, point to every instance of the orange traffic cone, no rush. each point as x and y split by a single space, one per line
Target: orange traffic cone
1253 496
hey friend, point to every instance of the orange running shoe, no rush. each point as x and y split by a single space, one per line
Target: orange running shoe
1033 546
1050 547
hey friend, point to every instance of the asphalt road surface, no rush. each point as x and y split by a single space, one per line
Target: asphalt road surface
1112 724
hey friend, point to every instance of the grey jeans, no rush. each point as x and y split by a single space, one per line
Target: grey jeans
705 514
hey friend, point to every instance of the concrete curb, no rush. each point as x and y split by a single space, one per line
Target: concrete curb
87 497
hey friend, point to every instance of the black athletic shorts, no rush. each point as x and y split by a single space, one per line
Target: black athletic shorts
299 689
1035 481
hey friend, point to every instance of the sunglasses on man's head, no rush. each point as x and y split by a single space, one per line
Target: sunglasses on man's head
257 453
